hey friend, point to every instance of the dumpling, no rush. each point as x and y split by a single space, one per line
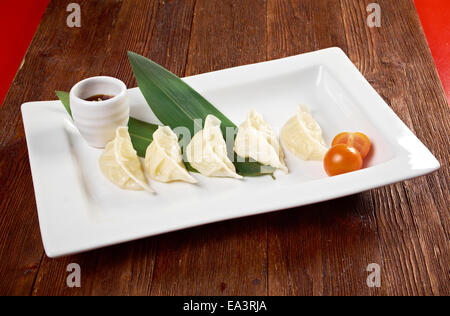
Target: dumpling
302 136
256 139
207 151
120 164
163 159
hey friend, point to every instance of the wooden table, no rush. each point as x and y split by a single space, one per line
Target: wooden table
319 249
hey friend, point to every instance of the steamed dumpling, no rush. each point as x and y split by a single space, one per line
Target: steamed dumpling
207 151
302 136
120 164
163 159
256 139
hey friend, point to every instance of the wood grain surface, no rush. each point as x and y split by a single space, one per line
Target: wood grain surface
322 249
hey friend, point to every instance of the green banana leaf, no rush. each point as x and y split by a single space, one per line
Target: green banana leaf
176 104
64 97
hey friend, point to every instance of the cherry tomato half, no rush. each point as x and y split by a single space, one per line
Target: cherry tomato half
357 140
342 159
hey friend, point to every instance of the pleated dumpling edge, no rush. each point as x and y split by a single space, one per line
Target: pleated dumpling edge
163 158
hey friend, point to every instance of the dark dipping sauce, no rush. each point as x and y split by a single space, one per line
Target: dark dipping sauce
99 97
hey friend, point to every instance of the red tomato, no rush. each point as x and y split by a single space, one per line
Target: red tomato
357 140
342 159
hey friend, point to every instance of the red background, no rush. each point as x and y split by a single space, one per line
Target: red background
435 17
19 20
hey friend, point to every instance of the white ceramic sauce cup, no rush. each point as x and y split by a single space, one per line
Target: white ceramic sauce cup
97 121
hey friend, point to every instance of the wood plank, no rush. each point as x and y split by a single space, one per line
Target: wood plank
20 247
225 258
322 249
410 224
159 30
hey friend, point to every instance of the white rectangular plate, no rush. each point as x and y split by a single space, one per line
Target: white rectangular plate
80 210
